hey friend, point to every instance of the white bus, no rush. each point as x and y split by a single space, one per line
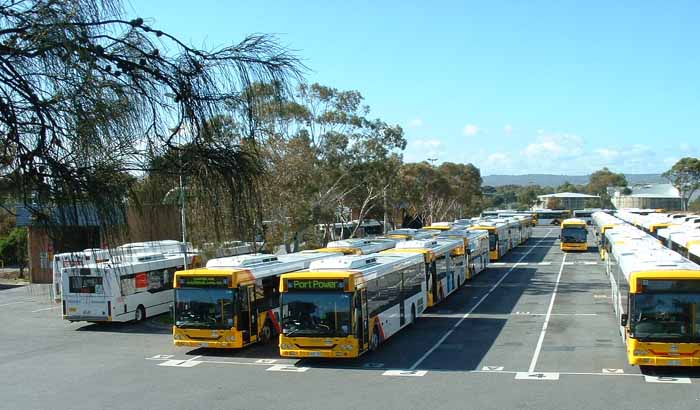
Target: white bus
73 259
135 283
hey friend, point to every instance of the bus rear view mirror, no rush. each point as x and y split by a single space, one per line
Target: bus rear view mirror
623 320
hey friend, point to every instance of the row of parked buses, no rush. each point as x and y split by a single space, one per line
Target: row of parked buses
655 292
678 231
337 301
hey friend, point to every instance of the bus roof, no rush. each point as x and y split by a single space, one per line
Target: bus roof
573 222
363 267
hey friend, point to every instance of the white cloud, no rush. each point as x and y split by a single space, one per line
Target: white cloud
420 149
471 130
415 123
508 129
427 142
499 157
554 146
607 153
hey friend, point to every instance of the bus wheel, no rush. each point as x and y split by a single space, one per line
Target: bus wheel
266 334
140 313
374 340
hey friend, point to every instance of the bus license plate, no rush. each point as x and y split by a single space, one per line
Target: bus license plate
674 362
315 354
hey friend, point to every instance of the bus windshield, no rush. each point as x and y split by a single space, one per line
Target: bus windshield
204 308
316 313
573 235
665 317
493 240
85 284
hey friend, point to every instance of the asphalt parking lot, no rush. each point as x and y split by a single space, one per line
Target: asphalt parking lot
534 331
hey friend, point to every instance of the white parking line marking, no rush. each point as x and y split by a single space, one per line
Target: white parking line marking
663 379
567 263
537 376
286 368
180 363
49 308
492 369
466 315
545 263
613 371
497 263
161 357
538 348
266 361
590 263
405 373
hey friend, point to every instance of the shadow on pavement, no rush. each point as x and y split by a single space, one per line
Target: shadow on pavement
151 325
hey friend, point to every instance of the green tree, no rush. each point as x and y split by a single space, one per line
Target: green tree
694 206
684 175
325 156
13 249
599 182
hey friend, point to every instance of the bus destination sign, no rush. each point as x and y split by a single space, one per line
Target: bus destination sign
315 284
204 281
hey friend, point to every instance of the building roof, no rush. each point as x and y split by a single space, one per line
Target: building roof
567 195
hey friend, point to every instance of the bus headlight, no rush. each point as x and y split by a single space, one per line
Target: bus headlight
231 338
285 346
176 336
347 347
640 352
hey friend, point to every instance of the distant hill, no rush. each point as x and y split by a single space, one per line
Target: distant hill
556 180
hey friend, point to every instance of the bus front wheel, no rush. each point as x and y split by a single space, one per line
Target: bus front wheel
266 334
140 313
374 340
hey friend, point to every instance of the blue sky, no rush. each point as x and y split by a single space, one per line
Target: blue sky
510 86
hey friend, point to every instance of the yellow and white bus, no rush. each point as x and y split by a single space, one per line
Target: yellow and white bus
343 307
136 282
406 234
574 235
656 296
359 246
498 237
478 252
234 301
602 222
445 264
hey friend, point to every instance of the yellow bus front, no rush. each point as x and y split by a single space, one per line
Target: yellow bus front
663 324
205 309
574 235
321 316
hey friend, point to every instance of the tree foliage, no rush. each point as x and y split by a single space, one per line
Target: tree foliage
684 175
446 192
13 248
89 95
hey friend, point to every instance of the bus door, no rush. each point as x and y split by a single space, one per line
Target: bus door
247 322
361 320
432 271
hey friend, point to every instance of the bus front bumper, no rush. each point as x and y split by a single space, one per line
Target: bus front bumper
574 247
325 348
665 361
215 339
